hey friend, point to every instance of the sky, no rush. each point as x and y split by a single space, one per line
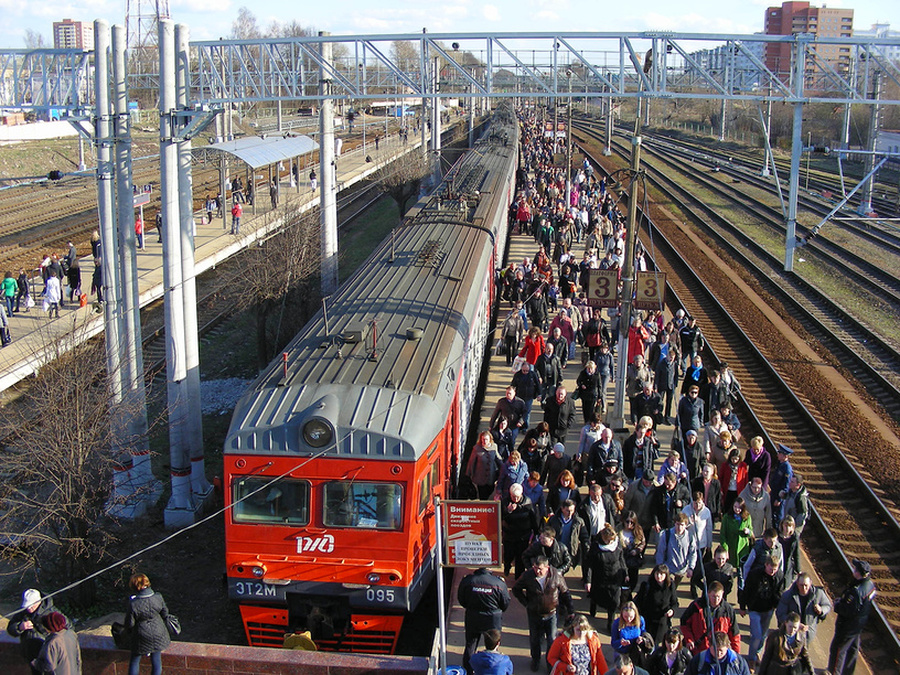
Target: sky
212 19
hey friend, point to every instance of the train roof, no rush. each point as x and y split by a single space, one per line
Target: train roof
379 371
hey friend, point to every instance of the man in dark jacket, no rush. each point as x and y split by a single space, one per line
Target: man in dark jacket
485 598
852 609
762 591
543 591
690 412
549 371
27 624
559 413
518 521
668 499
513 409
570 530
537 309
547 545
666 381
600 453
528 387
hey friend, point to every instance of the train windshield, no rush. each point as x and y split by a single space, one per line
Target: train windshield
283 503
363 505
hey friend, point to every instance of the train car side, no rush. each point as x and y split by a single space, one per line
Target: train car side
336 452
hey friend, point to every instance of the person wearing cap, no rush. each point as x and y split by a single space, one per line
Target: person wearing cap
27 624
779 480
484 597
852 610
60 654
556 463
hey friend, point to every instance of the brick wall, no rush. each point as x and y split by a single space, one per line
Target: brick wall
100 657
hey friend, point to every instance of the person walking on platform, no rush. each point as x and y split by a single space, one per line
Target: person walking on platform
718 660
577 649
27 624
543 591
559 413
484 597
852 609
810 602
236 212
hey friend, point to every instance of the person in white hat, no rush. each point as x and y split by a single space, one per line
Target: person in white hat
27 623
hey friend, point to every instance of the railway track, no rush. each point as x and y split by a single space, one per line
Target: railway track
885 200
738 175
877 281
873 362
861 521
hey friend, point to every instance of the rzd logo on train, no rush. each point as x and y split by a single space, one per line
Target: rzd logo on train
323 544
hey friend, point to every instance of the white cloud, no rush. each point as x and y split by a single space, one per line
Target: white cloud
491 13
545 15
216 6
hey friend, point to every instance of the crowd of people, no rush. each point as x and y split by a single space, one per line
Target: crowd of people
718 517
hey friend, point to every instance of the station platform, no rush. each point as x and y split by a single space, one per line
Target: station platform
515 622
36 338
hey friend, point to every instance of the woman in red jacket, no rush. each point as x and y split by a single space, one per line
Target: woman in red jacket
534 345
577 650
733 476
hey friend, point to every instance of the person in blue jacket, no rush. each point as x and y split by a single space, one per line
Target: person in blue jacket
490 661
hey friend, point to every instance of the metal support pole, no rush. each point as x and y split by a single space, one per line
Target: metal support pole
179 512
439 575
796 150
631 232
569 143
107 216
436 121
767 131
194 431
279 116
327 175
134 391
865 202
607 151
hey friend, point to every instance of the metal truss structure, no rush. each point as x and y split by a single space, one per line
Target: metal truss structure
649 65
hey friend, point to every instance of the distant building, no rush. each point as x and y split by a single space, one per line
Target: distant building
883 30
800 17
69 34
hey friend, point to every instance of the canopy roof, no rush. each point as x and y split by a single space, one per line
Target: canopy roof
257 151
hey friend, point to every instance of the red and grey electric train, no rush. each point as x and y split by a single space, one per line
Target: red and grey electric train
362 422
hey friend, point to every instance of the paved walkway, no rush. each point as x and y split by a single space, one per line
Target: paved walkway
34 335
515 623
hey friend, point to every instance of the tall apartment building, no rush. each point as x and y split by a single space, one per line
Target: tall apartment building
883 30
799 17
69 34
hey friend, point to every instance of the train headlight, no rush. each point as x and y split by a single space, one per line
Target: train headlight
317 433
258 571
373 578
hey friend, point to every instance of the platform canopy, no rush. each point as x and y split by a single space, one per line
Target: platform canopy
260 151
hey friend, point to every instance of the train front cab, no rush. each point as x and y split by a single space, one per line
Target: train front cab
345 551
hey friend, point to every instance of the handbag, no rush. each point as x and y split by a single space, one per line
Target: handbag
173 625
121 636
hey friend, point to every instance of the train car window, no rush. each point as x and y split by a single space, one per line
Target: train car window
364 505
283 503
429 480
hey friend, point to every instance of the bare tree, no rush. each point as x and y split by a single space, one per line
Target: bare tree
33 39
245 26
59 468
405 55
403 178
279 279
